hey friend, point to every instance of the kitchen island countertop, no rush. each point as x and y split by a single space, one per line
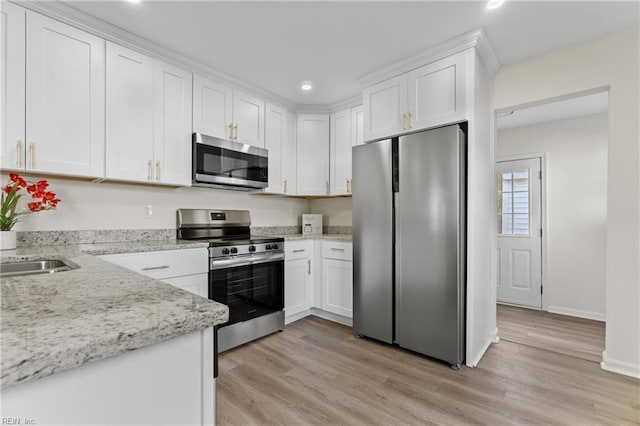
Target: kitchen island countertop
54 322
333 237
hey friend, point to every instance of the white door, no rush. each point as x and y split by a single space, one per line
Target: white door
212 108
172 118
65 100
384 106
248 119
313 154
276 133
12 91
340 149
129 145
519 232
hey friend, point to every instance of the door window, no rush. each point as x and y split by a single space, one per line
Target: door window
513 202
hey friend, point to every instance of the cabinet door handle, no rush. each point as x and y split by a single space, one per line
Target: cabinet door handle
285 185
149 170
309 267
32 163
298 251
410 125
235 128
404 117
349 184
157 170
327 187
154 268
19 152
231 131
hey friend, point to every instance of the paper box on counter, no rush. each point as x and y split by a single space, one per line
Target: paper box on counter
312 224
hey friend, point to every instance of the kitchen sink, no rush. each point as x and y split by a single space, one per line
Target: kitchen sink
31 267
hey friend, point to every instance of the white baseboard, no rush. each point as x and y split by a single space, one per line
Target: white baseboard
332 317
472 363
597 316
494 336
619 367
288 319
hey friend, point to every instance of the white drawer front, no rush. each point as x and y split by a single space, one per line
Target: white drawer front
164 264
298 249
337 250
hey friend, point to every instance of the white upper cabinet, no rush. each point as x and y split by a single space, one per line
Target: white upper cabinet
248 117
340 149
313 154
172 121
148 119
437 93
12 88
384 105
222 112
276 135
289 156
129 145
212 108
357 125
430 96
65 99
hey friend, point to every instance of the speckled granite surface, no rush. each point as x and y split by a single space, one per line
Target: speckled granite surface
55 322
334 237
51 238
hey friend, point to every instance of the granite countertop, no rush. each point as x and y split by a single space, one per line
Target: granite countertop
54 322
334 237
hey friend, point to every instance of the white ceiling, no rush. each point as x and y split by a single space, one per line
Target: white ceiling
553 111
277 45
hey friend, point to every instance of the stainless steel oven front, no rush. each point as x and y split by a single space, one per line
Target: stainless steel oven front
231 165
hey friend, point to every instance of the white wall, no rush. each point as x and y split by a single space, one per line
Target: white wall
576 211
334 211
87 205
613 62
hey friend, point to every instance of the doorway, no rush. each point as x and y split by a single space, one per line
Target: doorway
566 144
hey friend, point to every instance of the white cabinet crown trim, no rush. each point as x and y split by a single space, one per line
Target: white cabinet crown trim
473 39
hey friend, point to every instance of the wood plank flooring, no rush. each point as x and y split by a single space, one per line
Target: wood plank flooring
577 337
317 372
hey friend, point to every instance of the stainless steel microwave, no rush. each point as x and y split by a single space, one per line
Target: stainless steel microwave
224 164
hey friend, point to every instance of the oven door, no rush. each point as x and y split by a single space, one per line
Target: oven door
220 162
251 286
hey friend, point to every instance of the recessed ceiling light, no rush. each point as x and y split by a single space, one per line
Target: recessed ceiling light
494 4
133 1
306 86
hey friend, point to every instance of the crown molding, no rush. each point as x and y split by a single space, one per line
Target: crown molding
112 33
473 39
351 102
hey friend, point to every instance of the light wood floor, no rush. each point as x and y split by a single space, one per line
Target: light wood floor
577 337
317 372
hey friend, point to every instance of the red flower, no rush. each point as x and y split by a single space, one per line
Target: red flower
8 188
18 179
34 207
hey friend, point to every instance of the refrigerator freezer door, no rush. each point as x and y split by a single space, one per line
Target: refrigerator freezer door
373 241
430 249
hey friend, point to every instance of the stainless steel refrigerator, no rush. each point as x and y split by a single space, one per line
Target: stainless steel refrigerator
409 242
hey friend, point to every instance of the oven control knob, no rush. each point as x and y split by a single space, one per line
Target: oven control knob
225 251
274 246
252 248
267 247
234 250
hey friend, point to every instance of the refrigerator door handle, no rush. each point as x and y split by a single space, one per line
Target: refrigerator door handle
397 288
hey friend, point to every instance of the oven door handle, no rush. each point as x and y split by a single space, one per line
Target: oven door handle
253 259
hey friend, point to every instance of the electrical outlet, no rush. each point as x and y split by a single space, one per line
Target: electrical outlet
148 210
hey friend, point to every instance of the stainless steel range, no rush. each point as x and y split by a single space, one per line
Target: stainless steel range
245 273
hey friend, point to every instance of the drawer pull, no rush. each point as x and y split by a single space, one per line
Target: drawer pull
154 268
299 251
336 249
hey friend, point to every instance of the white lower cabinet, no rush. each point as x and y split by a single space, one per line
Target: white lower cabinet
318 281
186 269
337 278
298 279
